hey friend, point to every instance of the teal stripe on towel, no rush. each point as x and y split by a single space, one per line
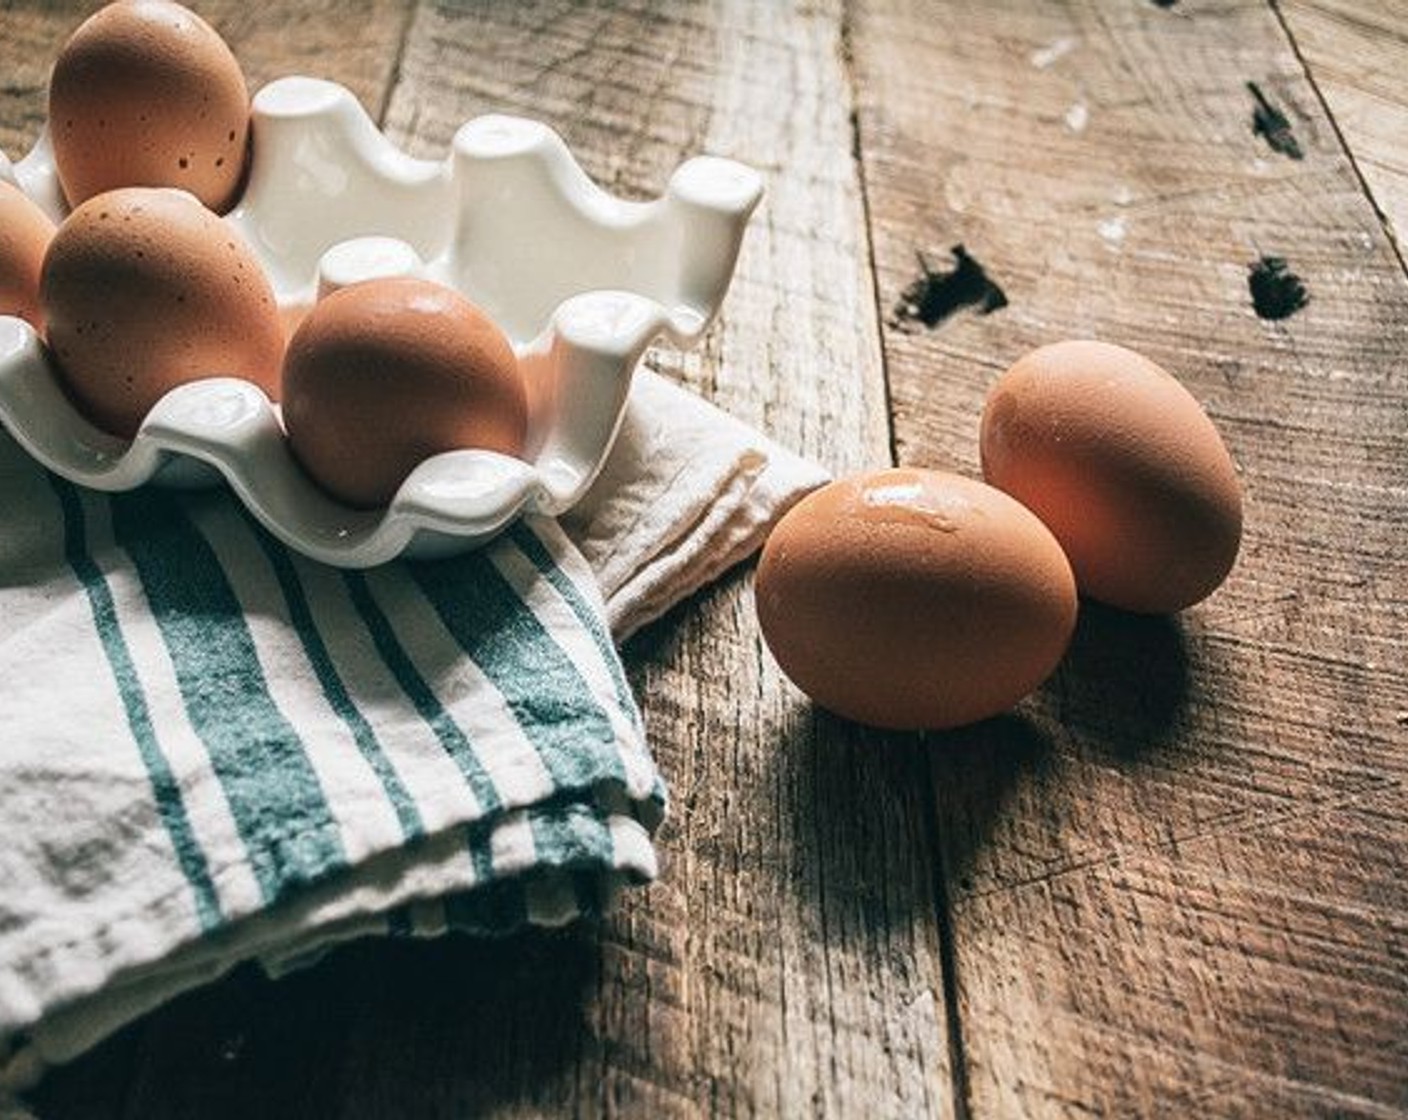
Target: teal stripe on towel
481 856
334 690
532 547
165 789
274 795
422 696
541 685
577 836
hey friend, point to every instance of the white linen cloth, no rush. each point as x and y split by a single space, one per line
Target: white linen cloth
213 750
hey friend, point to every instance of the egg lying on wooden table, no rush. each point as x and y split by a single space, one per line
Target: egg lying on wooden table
145 289
146 93
913 599
384 374
1124 466
25 233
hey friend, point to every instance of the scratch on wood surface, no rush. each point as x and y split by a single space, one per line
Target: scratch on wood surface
1269 122
1260 610
1336 1102
1239 823
393 78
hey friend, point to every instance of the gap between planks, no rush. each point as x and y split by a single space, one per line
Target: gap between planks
948 958
1313 81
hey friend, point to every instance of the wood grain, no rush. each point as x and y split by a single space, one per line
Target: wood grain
788 960
1176 878
1354 51
32 34
1174 881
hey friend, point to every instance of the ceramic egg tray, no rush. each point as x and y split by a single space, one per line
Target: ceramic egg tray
582 282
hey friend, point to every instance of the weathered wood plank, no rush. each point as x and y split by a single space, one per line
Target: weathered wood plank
788 960
1175 882
1355 51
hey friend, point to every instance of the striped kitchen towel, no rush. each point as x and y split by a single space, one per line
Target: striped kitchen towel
213 750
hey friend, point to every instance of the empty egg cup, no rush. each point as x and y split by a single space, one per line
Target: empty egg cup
580 281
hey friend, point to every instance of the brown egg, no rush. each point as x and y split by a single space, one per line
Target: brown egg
384 374
25 232
1124 467
146 289
914 599
146 94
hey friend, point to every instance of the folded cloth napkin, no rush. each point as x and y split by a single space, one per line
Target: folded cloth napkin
213 750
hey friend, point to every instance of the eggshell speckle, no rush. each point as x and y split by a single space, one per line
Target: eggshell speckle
913 599
384 374
146 93
1125 468
146 289
25 233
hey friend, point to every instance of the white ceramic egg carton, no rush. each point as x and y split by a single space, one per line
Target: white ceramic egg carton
582 282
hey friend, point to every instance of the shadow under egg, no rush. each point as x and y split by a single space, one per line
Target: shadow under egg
1124 682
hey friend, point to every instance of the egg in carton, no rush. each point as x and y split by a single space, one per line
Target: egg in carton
580 281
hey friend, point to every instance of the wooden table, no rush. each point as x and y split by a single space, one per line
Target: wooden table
1175 882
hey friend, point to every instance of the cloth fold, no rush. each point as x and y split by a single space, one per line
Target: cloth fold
687 493
213 750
